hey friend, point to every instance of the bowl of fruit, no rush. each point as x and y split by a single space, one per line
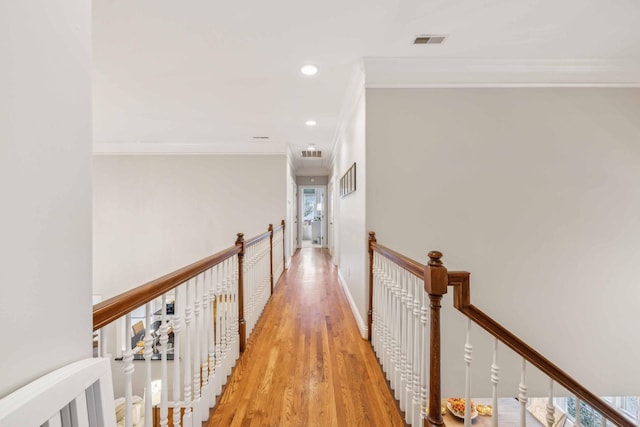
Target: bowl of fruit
457 406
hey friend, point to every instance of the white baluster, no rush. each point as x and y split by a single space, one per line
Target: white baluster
197 411
128 369
550 409
397 333
638 411
402 333
522 396
211 356
148 353
468 350
394 355
218 333
164 340
177 329
204 345
495 379
408 333
188 309
417 345
233 290
375 324
577 420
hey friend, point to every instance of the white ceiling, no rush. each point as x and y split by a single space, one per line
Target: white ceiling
202 76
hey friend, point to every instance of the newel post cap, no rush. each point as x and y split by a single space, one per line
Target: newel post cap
436 277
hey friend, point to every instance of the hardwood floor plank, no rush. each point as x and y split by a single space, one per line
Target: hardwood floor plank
305 363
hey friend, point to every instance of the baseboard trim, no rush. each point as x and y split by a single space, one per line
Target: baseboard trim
362 325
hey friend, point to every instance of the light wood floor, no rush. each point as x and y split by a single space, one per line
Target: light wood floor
305 363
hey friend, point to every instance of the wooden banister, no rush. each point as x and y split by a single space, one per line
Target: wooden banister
372 241
435 284
284 258
436 281
242 324
461 297
114 308
271 257
252 241
408 264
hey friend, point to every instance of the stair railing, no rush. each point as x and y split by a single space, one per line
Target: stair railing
200 328
400 340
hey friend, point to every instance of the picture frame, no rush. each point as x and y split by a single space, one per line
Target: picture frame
348 181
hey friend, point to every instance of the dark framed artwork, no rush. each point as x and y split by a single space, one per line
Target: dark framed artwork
348 181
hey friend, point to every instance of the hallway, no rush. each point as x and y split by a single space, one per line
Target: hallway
305 363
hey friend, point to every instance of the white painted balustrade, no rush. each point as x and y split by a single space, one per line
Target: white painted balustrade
399 334
400 312
257 281
193 329
278 254
205 347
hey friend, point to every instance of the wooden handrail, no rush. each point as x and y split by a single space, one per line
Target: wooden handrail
256 239
408 264
115 307
436 281
461 298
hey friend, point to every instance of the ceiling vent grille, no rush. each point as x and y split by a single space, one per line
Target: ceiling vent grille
311 153
429 39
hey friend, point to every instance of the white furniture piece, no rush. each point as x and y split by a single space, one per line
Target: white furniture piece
79 394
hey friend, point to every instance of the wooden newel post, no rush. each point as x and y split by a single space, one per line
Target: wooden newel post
372 240
270 230
436 281
284 257
242 325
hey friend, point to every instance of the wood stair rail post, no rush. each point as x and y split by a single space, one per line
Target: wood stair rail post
372 240
242 325
270 229
436 281
284 258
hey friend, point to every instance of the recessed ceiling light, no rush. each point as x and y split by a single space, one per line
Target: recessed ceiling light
309 70
310 123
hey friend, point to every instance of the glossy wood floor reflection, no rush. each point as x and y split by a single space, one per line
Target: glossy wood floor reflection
306 364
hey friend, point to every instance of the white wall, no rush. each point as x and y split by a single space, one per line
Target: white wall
352 249
536 192
45 182
154 214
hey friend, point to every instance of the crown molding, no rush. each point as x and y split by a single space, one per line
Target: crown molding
121 147
479 72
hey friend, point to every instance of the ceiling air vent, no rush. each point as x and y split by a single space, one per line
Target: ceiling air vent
311 153
429 39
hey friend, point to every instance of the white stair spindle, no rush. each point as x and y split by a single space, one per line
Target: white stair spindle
204 346
402 318
495 379
164 340
211 336
197 411
407 333
128 369
550 418
177 329
522 395
417 344
468 351
148 353
577 419
638 411
188 309
218 334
